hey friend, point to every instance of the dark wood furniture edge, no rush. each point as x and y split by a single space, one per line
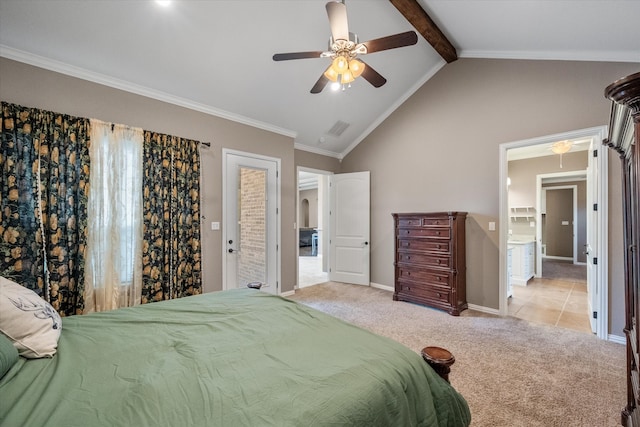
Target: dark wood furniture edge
440 359
457 272
625 93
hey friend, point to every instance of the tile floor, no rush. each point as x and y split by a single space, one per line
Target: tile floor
553 302
310 271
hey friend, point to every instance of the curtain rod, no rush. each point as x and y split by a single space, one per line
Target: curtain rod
206 144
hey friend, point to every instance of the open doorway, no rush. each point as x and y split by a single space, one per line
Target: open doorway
524 167
312 226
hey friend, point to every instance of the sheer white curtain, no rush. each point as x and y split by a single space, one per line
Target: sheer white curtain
113 271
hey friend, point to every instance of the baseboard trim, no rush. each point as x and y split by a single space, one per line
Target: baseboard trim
484 309
383 287
560 258
617 339
287 293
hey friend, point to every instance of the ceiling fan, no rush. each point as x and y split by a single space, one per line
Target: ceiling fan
344 49
562 147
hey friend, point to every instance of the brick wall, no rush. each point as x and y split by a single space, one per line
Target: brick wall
252 261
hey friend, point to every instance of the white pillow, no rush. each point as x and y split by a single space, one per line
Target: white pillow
30 322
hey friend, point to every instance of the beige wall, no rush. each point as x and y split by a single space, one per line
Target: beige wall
440 151
311 196
34 87
616 249
316 161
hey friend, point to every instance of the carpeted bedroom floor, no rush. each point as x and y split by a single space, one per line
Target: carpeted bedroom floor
512 372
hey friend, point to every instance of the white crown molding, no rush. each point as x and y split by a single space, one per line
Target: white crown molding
81 73
595 56
316 150
430 73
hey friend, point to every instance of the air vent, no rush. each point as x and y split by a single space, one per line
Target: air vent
338 128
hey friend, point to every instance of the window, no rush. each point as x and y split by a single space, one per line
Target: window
114 240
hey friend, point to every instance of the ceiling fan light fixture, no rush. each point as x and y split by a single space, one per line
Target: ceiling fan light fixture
356 67
561 147
331 74
347 77
340 64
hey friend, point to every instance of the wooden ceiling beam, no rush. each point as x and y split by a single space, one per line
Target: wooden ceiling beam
418 17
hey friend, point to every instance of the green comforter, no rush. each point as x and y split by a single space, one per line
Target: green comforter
232 358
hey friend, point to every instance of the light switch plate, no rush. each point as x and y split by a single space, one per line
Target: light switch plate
492 226
215 225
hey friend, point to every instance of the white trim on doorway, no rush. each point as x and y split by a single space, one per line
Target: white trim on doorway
598 134
541 200
323 216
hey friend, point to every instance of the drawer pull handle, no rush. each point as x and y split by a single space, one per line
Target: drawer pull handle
438 233
408 273
439 295
408 258
439 278
439 261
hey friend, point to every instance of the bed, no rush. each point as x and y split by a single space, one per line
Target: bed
232 358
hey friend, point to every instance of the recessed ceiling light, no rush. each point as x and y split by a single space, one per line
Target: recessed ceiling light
163 3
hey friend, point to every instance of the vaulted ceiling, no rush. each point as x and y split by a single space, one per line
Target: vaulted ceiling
216 56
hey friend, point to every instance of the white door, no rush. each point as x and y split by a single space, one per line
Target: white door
592 238
349 245
250 204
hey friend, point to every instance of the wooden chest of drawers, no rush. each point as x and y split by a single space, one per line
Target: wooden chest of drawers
430 266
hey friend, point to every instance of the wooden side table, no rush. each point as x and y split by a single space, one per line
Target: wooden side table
439 359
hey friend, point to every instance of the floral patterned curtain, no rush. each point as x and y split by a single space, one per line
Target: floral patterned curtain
44 159
171 218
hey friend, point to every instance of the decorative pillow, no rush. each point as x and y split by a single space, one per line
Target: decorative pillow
28 321
8 355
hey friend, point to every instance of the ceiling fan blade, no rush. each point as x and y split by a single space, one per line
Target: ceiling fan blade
337 13
320 84
391 42
372 76
296 55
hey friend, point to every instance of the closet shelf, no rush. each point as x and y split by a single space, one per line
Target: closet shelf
524 212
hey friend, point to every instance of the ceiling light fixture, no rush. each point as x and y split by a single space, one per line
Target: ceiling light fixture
163 3
561 147
344 68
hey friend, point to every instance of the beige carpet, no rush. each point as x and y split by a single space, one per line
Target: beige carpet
563 270
511 372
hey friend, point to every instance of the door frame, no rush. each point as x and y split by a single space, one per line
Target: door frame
278 218
324 203
542 191
598 134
